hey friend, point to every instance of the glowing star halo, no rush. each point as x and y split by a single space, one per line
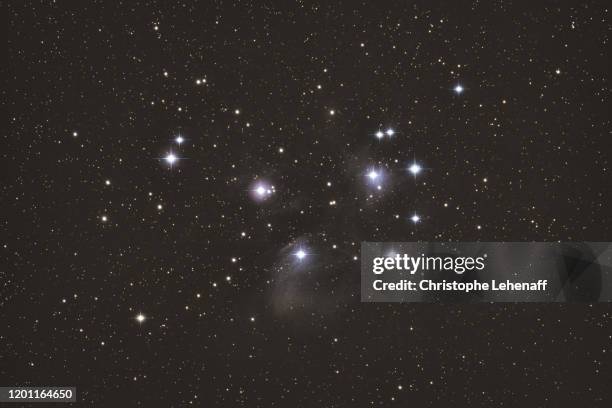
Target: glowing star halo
415 168
300 254
171 158
375 177
262 191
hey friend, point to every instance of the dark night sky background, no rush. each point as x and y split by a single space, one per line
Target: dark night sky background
522 154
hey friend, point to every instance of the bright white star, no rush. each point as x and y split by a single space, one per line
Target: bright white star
458 89
262 191
415 218
380 134
390 132
179 139
171 158
140 318
300 254
415 168
373 175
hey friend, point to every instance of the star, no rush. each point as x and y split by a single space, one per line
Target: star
170 158
104 218
390 132
380 134
140 318
179 139
263 191
458 89
300 254
374 178
415 218
415 168
332 112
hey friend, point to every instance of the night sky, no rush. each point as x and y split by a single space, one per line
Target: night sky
186 188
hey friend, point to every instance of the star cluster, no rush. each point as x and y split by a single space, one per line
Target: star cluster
187 187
